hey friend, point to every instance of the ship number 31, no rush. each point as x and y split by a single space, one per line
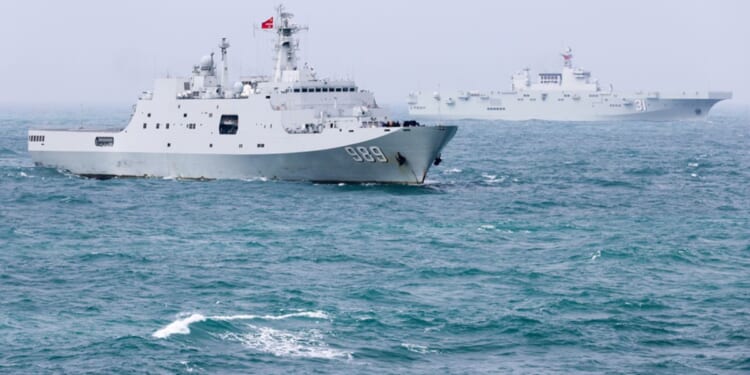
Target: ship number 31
370 155
640 105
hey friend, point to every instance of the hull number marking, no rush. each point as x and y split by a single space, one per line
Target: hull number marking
364 154
640 105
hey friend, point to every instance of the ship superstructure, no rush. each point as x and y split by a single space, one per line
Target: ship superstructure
570 95
291 126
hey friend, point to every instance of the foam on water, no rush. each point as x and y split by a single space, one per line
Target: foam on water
452 171
284 343
302 314
416 348
182 324
486 227
596 255
489 177
303 343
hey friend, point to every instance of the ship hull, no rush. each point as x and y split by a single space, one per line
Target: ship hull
407 153
565 106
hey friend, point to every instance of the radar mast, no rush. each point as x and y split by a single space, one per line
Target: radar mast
286 43
567 57
225 68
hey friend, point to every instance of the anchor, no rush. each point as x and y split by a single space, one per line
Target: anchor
438 160
400 159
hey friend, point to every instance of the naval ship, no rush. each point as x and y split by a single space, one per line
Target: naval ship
290 126
571 95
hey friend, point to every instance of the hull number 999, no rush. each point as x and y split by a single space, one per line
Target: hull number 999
364 154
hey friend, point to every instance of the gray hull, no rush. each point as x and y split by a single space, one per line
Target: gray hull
418 148
557 107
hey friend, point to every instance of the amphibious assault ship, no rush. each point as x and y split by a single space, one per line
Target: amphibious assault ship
571 95
290 126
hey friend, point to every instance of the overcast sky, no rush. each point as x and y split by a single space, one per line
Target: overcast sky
106 52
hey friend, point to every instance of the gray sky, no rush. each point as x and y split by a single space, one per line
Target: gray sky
88 52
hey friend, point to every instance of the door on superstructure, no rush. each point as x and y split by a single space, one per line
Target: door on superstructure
229 124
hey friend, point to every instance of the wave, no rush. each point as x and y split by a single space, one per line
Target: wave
182 324
281 343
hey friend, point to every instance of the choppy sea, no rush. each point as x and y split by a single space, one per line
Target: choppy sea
535 247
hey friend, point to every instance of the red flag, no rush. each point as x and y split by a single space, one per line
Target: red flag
267 24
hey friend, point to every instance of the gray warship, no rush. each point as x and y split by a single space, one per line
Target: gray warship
570 95
290 126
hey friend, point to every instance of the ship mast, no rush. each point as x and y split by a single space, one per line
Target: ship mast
286 43
567 58
225 72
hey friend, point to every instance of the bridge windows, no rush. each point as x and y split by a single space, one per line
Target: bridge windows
229 124
324 89
550 78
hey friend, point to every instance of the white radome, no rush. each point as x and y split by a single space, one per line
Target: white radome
207 62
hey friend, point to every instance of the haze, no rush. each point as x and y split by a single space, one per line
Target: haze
103 52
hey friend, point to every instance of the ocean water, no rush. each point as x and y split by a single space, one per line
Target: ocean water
535 247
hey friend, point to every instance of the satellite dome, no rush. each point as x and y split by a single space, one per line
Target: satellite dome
206 63
238 86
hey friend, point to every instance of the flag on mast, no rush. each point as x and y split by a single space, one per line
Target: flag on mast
267 24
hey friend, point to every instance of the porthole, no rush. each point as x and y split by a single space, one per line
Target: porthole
157 125
166 126
169 145
184 115
148 115
144 125
210 145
